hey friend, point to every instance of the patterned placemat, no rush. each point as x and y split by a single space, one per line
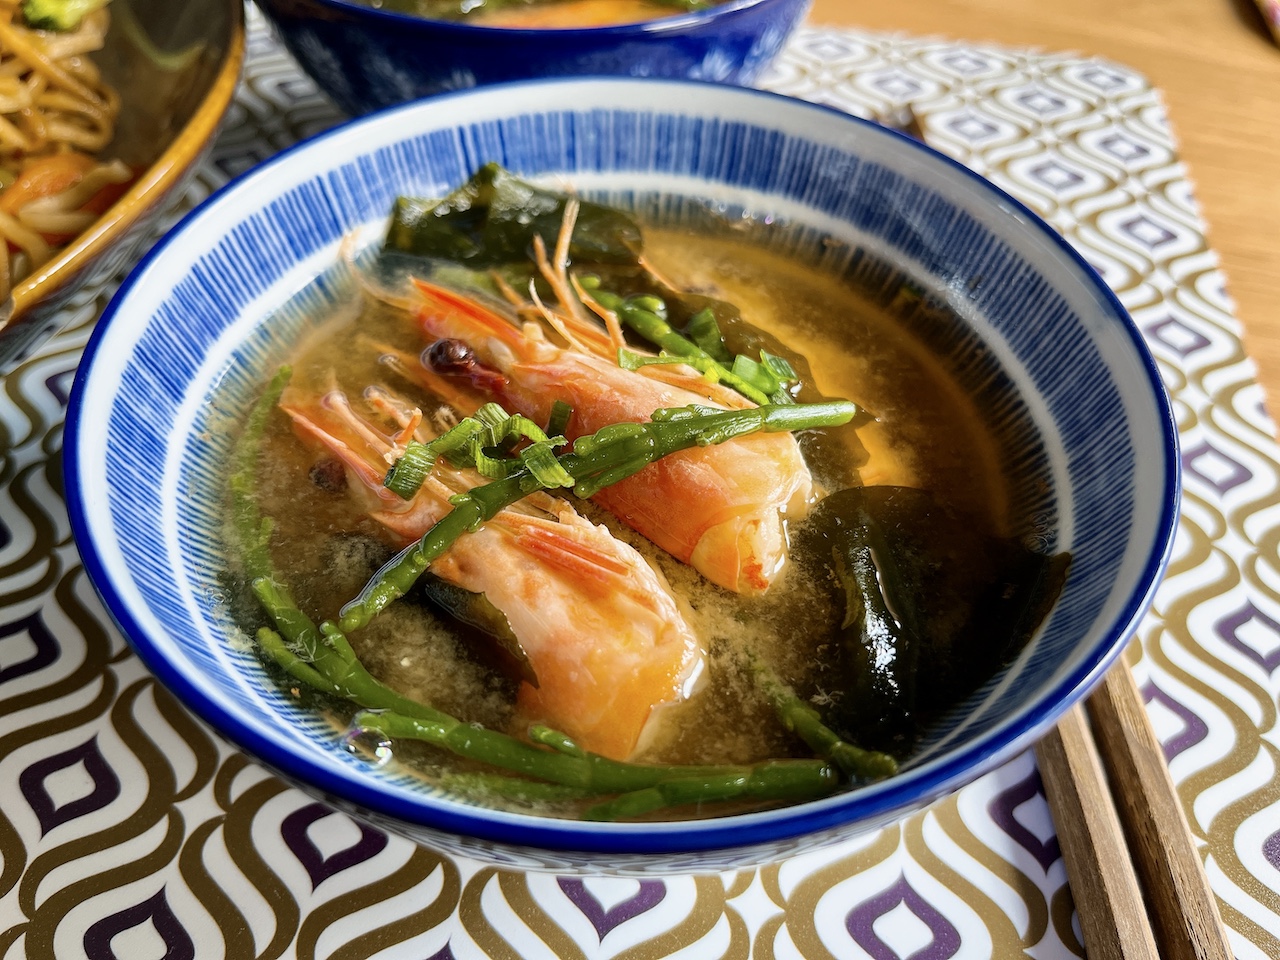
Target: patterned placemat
128 831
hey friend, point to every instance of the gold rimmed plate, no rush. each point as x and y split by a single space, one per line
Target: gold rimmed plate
176 67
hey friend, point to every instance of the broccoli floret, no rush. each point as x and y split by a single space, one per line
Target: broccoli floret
58 15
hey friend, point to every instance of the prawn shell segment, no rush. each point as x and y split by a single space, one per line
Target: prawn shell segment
720 508
598 626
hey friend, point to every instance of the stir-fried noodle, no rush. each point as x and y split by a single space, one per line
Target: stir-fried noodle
55 115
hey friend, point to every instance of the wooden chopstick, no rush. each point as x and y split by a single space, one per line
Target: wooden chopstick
1113 918
1134 871
1108 876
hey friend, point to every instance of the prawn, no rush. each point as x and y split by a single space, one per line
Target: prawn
722 509
604 640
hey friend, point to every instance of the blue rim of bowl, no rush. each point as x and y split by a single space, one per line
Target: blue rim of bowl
874 804
672 24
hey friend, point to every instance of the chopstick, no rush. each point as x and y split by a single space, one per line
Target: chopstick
1151 891
1107 784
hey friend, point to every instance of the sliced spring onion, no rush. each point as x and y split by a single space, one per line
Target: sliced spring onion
558 421
705 332
540 460
408 474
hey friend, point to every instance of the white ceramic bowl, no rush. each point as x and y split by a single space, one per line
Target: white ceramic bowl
1041 338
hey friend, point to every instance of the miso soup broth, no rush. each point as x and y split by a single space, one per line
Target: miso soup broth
921 466
543 14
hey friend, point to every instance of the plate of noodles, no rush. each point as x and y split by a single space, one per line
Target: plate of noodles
105 107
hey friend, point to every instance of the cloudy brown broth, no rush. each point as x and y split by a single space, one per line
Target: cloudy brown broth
927 433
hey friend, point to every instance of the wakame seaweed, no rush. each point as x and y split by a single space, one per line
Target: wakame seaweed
932 605
492 219
490 222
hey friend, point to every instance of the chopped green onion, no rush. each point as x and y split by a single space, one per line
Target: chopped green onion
756 374
558 421
785 374
449 444
408 474
490 467
540 460
492 415
705 332
780 367
483 441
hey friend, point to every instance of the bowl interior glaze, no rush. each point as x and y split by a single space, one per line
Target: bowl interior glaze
214 307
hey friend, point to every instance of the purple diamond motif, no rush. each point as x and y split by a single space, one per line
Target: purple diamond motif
1254 634
973 128
177 942
295 829
1271 849
1002 810
1056 176
1124 149
827 47
1103 79
861 921
897 85
59 385
444 953
1040 101
1147 232
1214 467
26 645
650 894
33 782
1176 335
1193 730
965 63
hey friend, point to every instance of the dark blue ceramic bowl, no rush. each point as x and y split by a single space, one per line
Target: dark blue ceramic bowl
366 59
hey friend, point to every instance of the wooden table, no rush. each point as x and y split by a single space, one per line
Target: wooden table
1219 71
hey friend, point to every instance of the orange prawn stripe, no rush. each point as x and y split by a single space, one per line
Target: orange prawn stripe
548 541
598 625
719 508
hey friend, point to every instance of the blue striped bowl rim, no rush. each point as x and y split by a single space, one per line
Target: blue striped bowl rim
188 321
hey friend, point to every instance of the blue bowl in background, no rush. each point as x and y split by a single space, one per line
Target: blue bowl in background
216 306
366 59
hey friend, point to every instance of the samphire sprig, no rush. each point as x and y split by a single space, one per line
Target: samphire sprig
596 461
550 764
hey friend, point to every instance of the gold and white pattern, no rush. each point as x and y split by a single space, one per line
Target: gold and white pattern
128 830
